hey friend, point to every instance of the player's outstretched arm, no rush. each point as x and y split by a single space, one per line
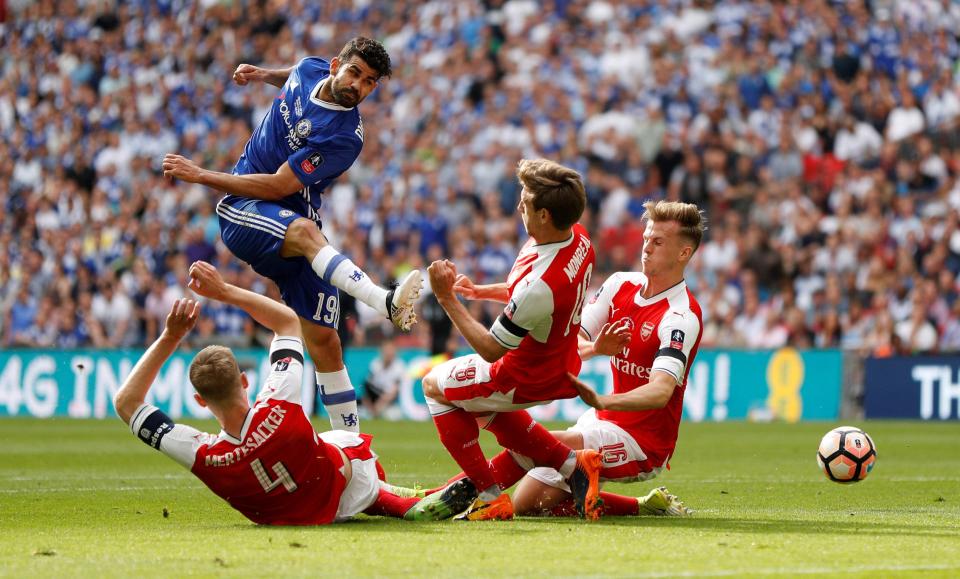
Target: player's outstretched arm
442 276
248 72
496 292
654 394
181 319
206 281
266 186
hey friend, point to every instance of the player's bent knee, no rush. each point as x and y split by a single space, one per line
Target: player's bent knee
430 387
302 238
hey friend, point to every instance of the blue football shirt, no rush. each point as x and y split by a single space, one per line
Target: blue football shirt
320 140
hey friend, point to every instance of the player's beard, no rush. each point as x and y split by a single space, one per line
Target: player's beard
345 97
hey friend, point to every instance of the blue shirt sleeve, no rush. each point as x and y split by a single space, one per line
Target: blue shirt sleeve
325 158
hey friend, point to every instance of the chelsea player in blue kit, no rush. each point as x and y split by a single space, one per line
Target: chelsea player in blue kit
270 215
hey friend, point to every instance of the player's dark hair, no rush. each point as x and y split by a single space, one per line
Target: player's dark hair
556 188
691 219
215 374
371 51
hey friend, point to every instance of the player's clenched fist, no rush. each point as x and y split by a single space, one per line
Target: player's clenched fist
443 274
179 167
206 281
247 72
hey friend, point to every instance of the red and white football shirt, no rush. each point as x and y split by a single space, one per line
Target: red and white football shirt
278 472
666 331
539 326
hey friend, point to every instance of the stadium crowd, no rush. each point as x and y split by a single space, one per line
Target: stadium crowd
820 137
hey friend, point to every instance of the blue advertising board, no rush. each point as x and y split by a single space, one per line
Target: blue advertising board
785 384
925 387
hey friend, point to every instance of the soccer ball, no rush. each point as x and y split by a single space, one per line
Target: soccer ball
846 454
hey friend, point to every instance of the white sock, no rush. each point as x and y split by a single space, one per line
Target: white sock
334 268
569 465
490 494
340 400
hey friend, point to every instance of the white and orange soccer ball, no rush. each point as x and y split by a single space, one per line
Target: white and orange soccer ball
846 454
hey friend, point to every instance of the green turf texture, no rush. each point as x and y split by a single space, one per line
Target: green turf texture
85 498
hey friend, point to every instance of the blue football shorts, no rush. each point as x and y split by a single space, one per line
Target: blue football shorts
254 230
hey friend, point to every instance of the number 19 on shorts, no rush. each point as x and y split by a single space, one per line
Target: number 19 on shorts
328 309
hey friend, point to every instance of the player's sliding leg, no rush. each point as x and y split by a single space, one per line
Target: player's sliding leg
661 503
391 505
459 434
658 502
304 239
518 432
506 467
333 383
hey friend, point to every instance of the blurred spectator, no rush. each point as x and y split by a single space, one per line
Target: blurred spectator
822 142
384 379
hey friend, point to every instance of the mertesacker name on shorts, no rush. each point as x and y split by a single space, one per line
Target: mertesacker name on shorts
576 261
253 440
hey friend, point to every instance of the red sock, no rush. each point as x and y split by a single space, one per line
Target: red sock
520 433
506 469
390 505
613 506
450 481
619 505
459 433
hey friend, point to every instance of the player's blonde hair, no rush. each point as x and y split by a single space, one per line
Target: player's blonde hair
556 188
215 374
691 219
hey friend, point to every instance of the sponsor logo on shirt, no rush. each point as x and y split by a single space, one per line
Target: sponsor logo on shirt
646 329
282 365
631 368
676 339
310 164
286 213
298 107
359 130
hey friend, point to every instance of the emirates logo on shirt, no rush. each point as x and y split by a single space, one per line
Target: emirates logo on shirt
646 329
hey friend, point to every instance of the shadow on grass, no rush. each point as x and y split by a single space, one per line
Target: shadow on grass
766 526
546 525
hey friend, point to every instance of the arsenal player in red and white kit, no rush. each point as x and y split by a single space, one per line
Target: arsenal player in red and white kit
267 461
650 323
524 358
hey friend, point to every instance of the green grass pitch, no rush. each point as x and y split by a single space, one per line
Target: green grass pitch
85 498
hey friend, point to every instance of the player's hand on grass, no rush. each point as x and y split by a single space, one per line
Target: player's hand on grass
443 274
180 167
613 338
465 287
206 281
182 318
247 72
587 394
